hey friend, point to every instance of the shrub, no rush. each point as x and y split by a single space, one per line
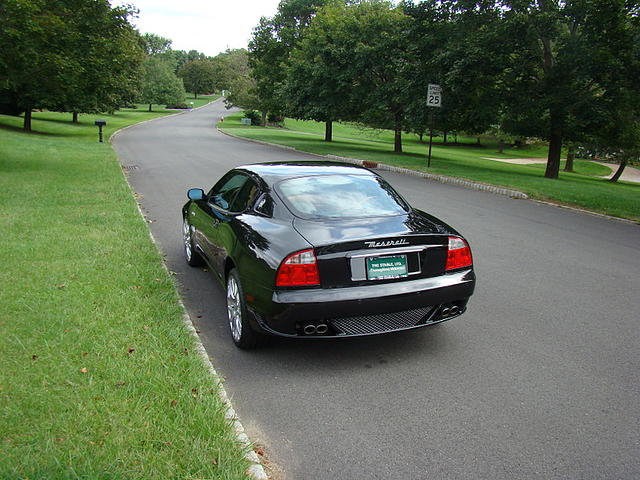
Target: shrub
253 116
274 118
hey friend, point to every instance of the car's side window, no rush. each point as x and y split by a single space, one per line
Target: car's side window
224 192
245 197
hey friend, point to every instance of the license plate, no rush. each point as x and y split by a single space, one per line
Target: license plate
379 268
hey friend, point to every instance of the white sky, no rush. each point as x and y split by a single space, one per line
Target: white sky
207 26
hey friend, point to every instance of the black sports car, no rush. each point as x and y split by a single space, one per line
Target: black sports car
320 249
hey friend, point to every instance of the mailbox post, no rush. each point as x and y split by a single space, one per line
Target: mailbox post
100 124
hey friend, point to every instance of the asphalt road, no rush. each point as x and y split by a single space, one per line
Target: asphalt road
539 379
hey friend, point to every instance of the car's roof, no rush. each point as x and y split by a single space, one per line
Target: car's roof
273 172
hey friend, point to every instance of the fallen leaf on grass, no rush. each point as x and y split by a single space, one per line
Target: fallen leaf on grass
121 384
84 370
34 357
194 392
174 403
59 440
131 350
61 285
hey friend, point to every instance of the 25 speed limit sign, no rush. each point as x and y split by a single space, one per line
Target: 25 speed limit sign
434 95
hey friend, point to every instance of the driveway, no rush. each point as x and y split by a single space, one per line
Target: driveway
539 379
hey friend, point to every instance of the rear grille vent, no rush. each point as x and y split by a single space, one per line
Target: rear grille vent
386 322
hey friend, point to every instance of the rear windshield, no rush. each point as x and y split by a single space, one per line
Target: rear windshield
340 196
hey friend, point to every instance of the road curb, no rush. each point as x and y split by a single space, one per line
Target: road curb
383 166
255 471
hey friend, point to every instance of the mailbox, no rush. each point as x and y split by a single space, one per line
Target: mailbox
100 124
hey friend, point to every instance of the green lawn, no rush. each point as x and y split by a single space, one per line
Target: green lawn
100 378
468 160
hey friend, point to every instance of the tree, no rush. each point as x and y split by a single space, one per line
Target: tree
365 45
109 52
318 82
199 76
236 79
455 48
55 54
155 44
159 84
617 35
557 53
269 49
180 57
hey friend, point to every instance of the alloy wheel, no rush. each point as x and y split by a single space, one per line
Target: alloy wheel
234 308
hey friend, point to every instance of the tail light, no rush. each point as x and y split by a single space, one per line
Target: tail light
459 254
300 268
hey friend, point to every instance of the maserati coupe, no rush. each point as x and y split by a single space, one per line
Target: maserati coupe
324 250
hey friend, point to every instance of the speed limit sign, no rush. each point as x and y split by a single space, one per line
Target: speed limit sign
434 95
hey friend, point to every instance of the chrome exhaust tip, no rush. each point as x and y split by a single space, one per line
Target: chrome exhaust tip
322 329
454 310
445 311
309 329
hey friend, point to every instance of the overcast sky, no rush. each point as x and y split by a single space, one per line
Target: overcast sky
209 26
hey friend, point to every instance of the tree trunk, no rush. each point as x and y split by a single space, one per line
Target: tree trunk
27 120
501 146
616 176
478 142
328 131
444 139
421 136
555 147
149 107
195 95
263 121
571 155
74 118
397 143
455 138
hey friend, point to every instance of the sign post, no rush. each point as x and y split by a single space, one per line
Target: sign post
434 99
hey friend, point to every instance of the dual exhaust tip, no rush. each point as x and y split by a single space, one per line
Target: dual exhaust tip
450 311
311 329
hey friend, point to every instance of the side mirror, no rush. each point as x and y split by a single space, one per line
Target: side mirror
195 194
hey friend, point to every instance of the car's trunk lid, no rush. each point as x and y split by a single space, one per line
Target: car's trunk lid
376 249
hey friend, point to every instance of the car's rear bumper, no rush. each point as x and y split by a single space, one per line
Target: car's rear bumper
367 310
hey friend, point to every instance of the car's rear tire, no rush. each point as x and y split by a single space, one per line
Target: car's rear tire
241 332
191 255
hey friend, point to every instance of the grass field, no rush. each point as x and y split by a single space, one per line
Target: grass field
100 378
468 160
